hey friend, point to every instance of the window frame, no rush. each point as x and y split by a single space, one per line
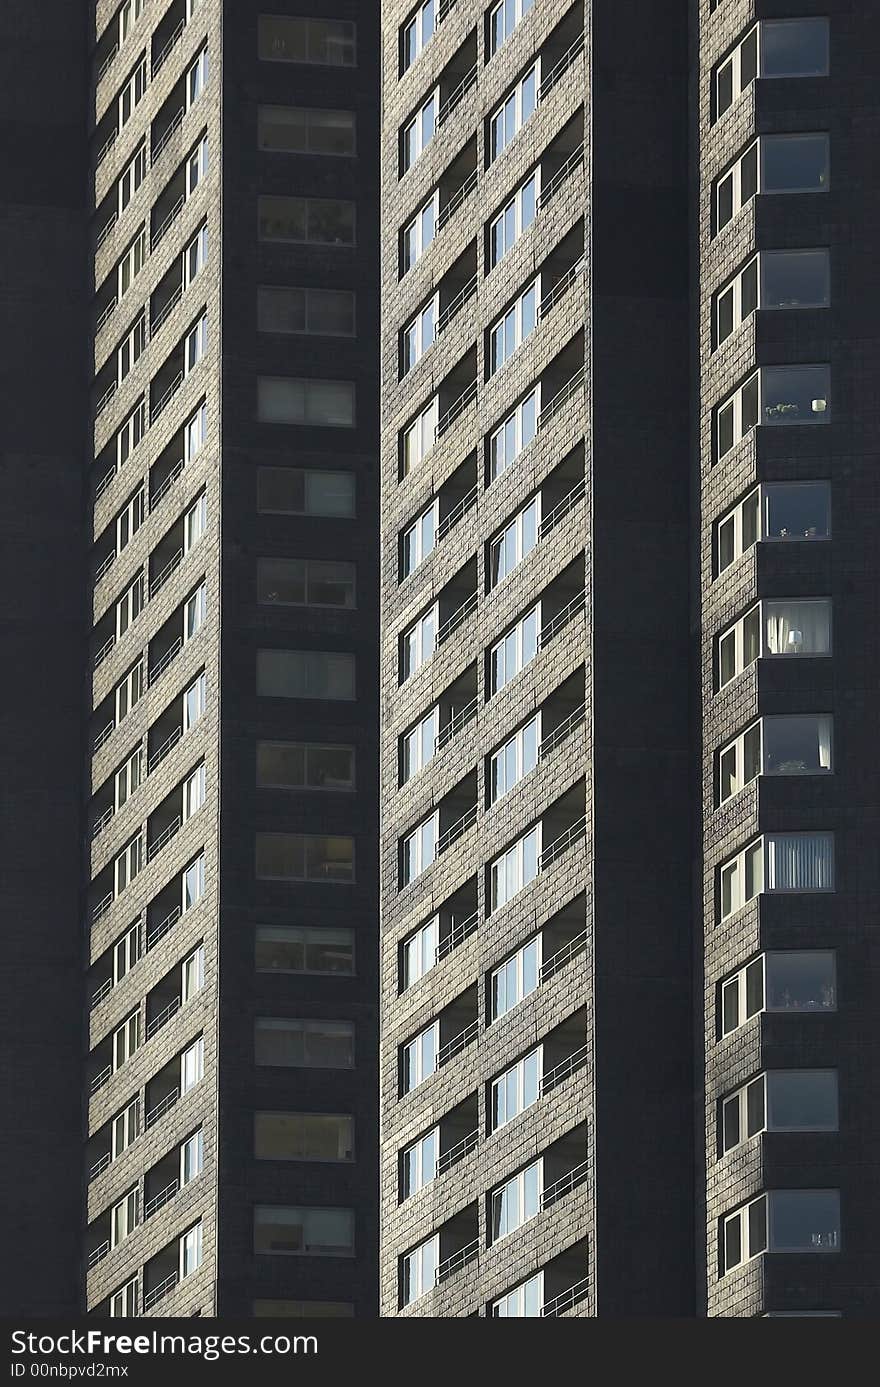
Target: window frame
413 1157
515 852
413 547
757 149
418 132
345 42
413 240
498 225
415 25
734 61
758 263
742 754
513 532
517 1186
419 335
500 1084
511 329
517 422
498 651
740 868
514 965
418 849
759 498
500 755
411 764
418 1057
497 120
420 946
737 630
502 9
418 643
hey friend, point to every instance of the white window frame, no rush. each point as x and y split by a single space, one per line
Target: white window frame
419 746
131 264
192 974
509 978
418 952
419 437
129 14
748 757
513 855
128 777
130 519
192 878
514 425
515 1190
124 1302
418 849
195 344
195 431
513 749
415 240
131 433
124 1129
742 1217
195 256
131 348
191 1169
422 25
192 1065
738 987
734 173
129 606
418 1057
124 1217
757 614
197 77
747 405
128 692
127 864
419 642
132 93
513 641
750 1108
126 953
421 1156
199 689
513 208
419 1269
501 1084
756 269
512 1305
191 1250
131 178
747 523
507 119
508 333
419 539
194 612
513 537
749 873
740 80
126 1040
420 334
503 19
195 522
193 791
419 131
197 165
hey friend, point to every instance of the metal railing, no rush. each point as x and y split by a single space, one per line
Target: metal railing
562 509
458 1043
456 723
556 962
560 67
160 754
566 1300
107 63
559 734
167 484
444 8
454 832
105 149
564 1185
159 669
457 199
166 309
162 1108
162 56
159 931
159 1200
105 482
561 398
458 1152
162 1017
103 991
561 619
107 314
162 578
561 287
99 1166
457 935
105 231
561 844
97 1255
447 1268
105 566
556 1076
164 838
453 622
163 226
164 399
167 135
101 655
103 736
163 1289
455 304
100 1079
456 95
551 188
459 509
105 399
467 396
102 821
103 906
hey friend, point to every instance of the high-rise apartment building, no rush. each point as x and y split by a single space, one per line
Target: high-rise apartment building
196 504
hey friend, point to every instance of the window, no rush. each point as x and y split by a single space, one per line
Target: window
303 1309
131 178
304 857
523 1302
782 1221
305 583
516 1201
324 674
778 862
191 1250
419 539
194 522
517 539
419 131
192 1065
418 1058
419 849
297 949
418 745
305 766
774 395
124 1302
773 48
130 519
195 432
192 1157
197 78
319 221
514 651
195 344
514 218
192 972
796 745
325 403
787 627
418 1270
292 491
503 19
775 511
132 93
129 14
301 130
127 865
324 42
418 952
416 32
125 1040
197 166
421 435
783 1100
193 792
514 759
292 1044
127 778
309 1232
514 111
124 1129
773 164
194 700
419 233
515 978
131 433
123 1217
295 1136
516 1089
774 279
128 692
315 312
126 952
129 605
131 348
131 263
419 335
515 868
193 882
418 643
418 1164
514 434
194 611
513 327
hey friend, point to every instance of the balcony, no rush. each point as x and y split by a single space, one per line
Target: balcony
562 383
459 1244
457 78
456 602
563 939
565 1281
459 1134
565 1167
163 1091
457 390
561 160
561 603
107 1140
457 496
457 813
458 706
458 285
167 35
457 183
459 1026
166 470
457 919
114 964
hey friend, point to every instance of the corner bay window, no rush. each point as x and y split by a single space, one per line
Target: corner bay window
777 862
774 511
796 745
773 48
782 1221
774 396
773 164
783 628
782 1100
785 981
774 279
307 1232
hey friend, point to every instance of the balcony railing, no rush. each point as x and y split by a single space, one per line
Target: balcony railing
170 654
461 508
563 956
166 485
105 149
106 231
561 619
167 135
97 1255
563 843
457 199
107 63
159 931
456 723
556 1076
444 8
103 991
166 309
101 655
161 1109
559 68
105 566
467 396
560 733
106 314
162 56
560 400
166 222
101 1079
456 304
105 482
162 578
567 1299
99 1166
451 1265
452 623
456 95
102 907
159 1200
163 1289
164 838
563 1186
561 288
458 1043
562 509
162 1017
161 752
103 736
457 935
454 832
458 1152
101 823
166 397
551 188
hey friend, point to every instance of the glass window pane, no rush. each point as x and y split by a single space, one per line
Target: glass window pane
798 628
802 1100
797 510
795 394
795 279
801 981
797 745
794 163
794 48
804 1220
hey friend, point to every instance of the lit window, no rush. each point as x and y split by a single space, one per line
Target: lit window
514 434
514 218
418 952
783 1100
787 627
419 1163
514 651
513 327
418 849
774 279
785 745
785 981
418 643
322 42
303 130
514 759
773 48
418 1058
503 19
416 32
419 233
516 1201
773 164
774 396
306 1232
782 1221
777 862
515 978
514 111
517 539
418 745
783 511
516 1089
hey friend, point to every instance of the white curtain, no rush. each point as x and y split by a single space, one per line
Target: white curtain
798 628
800 862
824 738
